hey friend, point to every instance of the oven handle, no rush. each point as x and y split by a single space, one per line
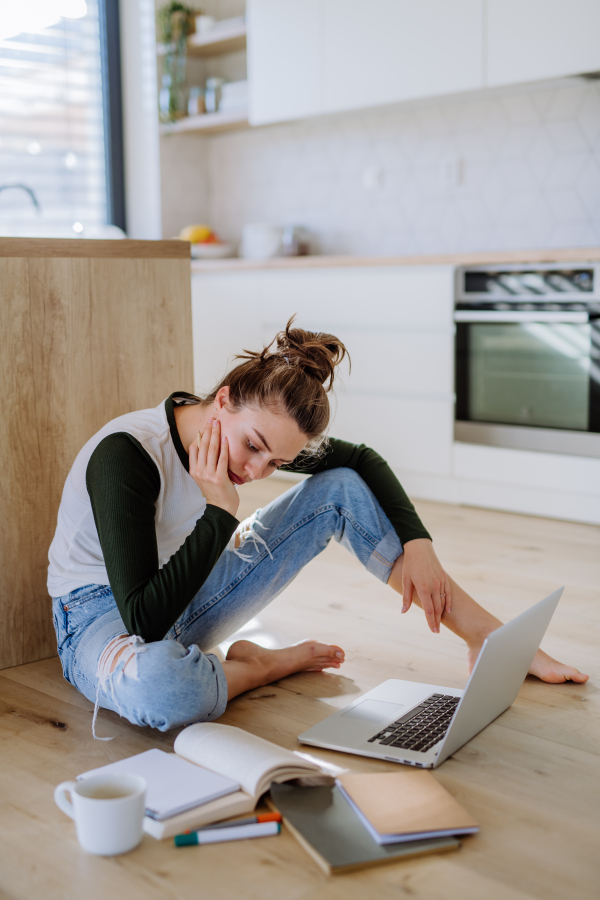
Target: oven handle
517 316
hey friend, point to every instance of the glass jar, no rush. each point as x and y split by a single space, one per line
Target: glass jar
170 100
295 241
196 102
212 96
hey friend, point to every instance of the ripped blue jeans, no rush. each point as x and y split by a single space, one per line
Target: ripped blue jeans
175 681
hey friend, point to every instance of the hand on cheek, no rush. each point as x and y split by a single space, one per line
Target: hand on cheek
209 463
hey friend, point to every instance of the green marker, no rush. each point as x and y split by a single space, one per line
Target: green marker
234 833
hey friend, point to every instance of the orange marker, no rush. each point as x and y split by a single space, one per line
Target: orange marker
251 820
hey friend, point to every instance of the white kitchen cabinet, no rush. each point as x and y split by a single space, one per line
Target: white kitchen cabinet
539 484
412 434
396 323
284 59
318 56
386 51
223 324
400 361
307 57
528 40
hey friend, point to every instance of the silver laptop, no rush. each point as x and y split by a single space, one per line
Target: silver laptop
423 724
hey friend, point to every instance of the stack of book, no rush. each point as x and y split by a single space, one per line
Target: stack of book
372 818
218 772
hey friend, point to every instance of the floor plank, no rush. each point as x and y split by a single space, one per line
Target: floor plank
530 778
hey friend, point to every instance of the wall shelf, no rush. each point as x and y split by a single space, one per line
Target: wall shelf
213 43
209 123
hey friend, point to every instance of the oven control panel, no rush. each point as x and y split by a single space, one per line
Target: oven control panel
556 287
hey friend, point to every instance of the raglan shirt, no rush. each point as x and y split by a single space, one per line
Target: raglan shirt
127 481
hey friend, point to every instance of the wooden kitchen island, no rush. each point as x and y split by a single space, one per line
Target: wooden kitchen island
530 778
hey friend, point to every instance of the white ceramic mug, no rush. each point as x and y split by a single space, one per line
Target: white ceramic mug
261 241
108 811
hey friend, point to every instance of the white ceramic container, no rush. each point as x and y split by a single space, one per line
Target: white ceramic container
261 241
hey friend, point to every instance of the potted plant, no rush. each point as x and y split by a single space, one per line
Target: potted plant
175 22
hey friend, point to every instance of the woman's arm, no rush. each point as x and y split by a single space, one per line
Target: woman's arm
123 483
377 475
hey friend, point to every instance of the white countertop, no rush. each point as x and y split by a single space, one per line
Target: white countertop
578 255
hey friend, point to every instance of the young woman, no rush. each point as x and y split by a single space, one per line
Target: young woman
150 569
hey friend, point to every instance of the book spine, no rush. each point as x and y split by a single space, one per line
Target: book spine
224 808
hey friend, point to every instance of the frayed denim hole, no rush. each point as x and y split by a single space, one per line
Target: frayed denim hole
126 648
248 534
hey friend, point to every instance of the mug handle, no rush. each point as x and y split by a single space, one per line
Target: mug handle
60 797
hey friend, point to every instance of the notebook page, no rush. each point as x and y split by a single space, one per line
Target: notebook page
239 755
174 784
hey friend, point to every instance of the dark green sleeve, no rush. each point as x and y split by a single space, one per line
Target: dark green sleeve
123 483
378 476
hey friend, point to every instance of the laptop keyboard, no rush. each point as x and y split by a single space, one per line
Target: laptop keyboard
422 727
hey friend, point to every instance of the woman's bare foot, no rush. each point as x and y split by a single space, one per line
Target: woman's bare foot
248 665
305 656
543 667
553 671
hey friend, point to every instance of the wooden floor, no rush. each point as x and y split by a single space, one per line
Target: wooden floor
532 778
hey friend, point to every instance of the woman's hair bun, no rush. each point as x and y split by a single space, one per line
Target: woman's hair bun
315 352
294 371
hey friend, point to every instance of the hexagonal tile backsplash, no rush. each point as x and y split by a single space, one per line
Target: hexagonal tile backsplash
486 172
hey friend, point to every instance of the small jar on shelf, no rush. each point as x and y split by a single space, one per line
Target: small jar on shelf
170 100
196 105
212 96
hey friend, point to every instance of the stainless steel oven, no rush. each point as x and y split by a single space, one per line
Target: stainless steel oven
528 357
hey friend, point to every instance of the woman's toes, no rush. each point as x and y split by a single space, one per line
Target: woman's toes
313 656
335 654
567 673
554 672
579 677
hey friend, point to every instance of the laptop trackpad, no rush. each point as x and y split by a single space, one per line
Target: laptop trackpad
366 718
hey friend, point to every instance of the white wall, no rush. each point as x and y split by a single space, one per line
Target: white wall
530 159
184 197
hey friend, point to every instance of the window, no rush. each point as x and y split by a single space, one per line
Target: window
61 161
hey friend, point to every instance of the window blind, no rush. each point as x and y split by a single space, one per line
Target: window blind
52 141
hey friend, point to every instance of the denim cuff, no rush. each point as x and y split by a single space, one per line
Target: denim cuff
383 557
219 707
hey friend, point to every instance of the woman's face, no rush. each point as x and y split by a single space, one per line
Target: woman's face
260 440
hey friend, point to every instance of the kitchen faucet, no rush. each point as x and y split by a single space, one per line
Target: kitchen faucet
28 190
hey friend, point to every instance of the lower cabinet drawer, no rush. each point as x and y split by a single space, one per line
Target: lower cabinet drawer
410 433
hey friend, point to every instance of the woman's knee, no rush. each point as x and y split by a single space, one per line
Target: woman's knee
337 476
339 483
164 685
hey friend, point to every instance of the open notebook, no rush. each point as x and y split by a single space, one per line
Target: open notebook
238 764
174 784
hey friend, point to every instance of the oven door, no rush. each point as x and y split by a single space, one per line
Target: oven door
528 369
